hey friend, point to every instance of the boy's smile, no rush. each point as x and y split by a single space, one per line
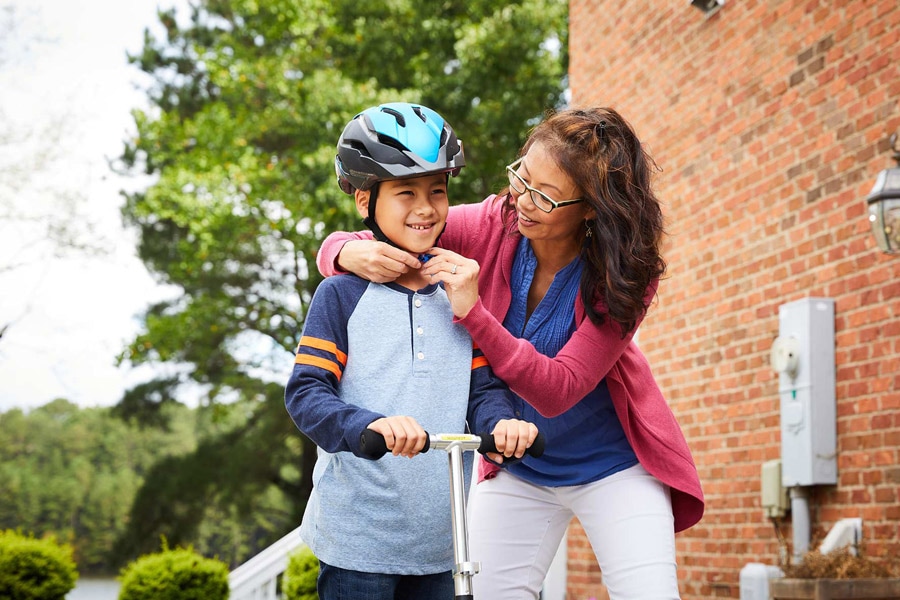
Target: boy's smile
424 227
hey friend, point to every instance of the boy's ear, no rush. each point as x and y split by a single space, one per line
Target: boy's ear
362 202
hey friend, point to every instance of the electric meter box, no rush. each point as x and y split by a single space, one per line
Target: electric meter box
803 356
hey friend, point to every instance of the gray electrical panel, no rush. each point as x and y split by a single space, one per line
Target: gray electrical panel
803 356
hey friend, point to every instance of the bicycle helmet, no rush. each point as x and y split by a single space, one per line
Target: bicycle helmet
394 141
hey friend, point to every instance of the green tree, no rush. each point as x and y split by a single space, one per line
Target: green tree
225 498
247 103
73 472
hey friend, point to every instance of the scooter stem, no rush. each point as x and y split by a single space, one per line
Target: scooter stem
464 569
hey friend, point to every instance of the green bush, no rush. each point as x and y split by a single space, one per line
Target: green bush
179 574
300 576
33 569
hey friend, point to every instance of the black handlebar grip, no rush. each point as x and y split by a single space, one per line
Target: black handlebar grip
536 449
373 446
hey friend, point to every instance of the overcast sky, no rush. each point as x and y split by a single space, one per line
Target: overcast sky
66 87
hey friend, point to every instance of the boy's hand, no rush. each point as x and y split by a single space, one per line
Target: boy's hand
403 436
375 261
512 437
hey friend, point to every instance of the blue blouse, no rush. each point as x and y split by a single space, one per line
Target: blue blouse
586 443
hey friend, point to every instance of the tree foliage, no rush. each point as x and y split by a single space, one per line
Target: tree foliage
229 497
247 103
72 473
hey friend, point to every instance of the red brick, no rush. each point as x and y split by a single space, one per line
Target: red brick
764 185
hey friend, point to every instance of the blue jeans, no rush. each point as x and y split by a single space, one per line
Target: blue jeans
335 583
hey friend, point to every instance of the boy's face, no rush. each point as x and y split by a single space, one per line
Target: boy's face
410 212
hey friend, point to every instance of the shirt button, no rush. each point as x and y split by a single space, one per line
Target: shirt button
518 413
419 330
421 355
418 303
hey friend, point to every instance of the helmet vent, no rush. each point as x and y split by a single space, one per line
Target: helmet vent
418 111
389 141
357 145
400 119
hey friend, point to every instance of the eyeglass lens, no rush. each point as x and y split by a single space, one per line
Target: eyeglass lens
537 197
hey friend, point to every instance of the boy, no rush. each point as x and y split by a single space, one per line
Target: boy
388 357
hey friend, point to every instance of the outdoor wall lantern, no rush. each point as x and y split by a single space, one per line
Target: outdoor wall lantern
884 205
707 6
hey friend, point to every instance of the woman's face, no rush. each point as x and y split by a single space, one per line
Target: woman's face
564 224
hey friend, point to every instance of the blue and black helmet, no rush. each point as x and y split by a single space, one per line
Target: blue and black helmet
395 141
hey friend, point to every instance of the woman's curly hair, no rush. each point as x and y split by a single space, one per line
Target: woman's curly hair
600 152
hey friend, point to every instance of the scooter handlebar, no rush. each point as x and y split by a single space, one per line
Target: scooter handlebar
536 449
373 445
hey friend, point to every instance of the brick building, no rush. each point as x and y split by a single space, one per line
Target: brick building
770 121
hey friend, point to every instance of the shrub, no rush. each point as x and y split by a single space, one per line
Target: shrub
33 569
179 574
841 563
300 576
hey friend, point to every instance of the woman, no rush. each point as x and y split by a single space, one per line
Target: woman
561 269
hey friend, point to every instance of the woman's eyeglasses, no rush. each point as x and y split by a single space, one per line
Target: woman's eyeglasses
539 198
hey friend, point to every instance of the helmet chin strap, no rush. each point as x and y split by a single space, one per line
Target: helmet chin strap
369 221
379 235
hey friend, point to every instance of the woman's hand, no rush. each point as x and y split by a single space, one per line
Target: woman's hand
375 261
403 435
512 437
460 277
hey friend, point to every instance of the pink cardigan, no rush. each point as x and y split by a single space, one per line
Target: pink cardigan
476 231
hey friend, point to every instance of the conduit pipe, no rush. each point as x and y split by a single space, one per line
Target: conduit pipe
800 521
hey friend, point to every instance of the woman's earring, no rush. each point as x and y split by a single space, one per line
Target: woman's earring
589 232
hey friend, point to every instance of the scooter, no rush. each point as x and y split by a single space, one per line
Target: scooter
373 446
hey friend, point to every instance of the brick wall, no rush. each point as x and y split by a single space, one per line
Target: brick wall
770 121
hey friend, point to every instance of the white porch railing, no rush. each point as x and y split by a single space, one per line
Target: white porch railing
257 579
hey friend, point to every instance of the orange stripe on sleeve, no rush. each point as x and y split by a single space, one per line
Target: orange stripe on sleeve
479 361
325 345
315 361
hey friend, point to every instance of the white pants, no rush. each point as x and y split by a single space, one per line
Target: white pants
515 528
